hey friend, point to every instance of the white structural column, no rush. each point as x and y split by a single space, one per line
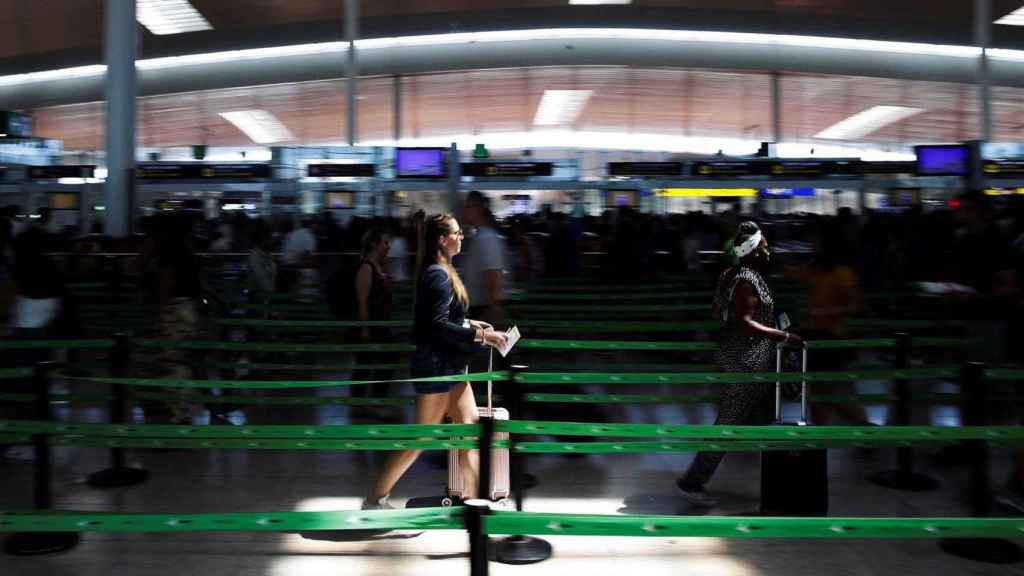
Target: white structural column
351 69
983 40
119 32
776 107
396 103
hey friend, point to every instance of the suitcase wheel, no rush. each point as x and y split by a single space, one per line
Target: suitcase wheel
504 504
446 501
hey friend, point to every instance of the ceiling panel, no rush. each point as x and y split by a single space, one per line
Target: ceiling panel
658 101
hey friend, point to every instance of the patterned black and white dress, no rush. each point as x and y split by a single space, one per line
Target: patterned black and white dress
738 352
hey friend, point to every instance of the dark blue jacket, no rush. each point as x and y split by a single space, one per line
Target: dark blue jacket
443 340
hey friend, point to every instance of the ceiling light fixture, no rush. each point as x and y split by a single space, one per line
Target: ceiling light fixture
867 121
560 107
1015 18
163 17
259 125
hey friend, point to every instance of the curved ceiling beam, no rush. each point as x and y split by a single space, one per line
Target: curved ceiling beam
524 48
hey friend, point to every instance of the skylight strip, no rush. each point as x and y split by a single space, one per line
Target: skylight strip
867 121
163 17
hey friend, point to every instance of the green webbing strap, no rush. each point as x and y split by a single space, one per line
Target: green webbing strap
539 524
623 367
704 446
8 373
615 327
271 346
56 398
852 344
311 323
448 518
282 384
274 432
270 444
1004 374
577 296
605 308
541 344
732 377
621 398
887 323
97 343
577 287
118 307
932 342
303 367
15 438
807 433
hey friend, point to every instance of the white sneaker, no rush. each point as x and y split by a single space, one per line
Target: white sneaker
698 498
379 504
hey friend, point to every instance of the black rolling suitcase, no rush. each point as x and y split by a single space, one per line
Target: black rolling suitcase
793 482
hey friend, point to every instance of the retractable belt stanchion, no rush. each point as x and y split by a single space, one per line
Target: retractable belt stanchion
118 475
904 477
38 543
477 508
518 549
975 393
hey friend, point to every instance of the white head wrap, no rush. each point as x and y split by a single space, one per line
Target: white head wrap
749 245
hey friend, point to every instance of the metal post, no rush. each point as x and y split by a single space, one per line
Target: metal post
518 549
974 388
776 107
904 477
396 107
351 84
475 512
119 51
454 178
38 543
118 475
983 39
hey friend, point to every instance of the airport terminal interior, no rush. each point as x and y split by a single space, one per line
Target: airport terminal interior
444 287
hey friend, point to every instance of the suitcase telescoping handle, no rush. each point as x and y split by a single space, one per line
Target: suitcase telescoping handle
490 383
803 385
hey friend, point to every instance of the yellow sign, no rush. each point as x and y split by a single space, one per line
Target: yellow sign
705 192
1003 191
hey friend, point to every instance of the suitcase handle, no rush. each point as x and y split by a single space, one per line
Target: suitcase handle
803 385
490 383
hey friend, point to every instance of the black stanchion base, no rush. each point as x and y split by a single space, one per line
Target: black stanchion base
118 477
988 550
519 550
906 481
39 543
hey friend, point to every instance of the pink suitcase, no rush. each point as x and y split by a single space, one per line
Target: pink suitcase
499 488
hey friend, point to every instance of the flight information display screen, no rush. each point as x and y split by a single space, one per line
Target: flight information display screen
420 162
942 160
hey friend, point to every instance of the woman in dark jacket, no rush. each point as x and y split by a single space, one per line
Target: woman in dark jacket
444 340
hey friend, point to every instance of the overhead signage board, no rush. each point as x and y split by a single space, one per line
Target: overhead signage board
645 169
1004 168
60 171
705 192
341 170
506 169
199 171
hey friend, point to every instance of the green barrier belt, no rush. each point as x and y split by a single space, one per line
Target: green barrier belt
272 444
303 367
624 367
310 323
848 344
604 309
732 377
448 518
1004 374
276 400
929 342
885 323
541 344
813 433
56 398
282 384
97 343
7 373
15 438
271 347
114 307
503 522
690 447
540 289
577 296
273 432
616 327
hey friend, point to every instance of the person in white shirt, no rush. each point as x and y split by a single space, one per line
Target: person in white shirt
299 245
483 262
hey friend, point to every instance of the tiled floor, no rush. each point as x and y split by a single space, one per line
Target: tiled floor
239 481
